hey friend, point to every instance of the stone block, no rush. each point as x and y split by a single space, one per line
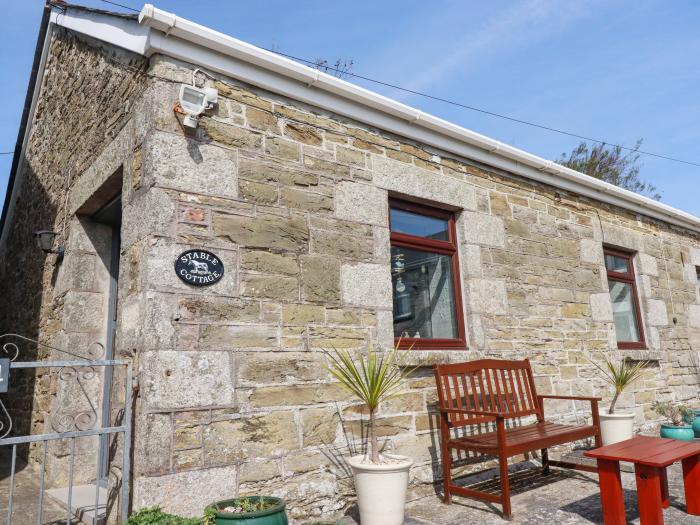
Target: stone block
396 176
203 309
487 296
694 315
327 338
261 120
152 448
180 379
256 471
258 192
256 169
166 491
326 167
385 426
249 437
270 287
320 279
601 307
302 314
84 311
591 251
229 135
483 229
304 134
234 337
257 368
305 200
176 162
622 237
362 203
656 312
319 426
366 284
281 233
342 245
695 256
293 395
282 148
647 264
269 262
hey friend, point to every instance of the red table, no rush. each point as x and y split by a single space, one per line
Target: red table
650 456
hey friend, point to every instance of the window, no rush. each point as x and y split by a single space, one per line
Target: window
697 275
425 277
625 302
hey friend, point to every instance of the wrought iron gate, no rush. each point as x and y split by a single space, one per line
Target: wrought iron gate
75 417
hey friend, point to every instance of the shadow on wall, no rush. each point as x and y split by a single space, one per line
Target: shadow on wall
27 278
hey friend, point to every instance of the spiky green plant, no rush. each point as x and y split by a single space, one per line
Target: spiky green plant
620 376
373 378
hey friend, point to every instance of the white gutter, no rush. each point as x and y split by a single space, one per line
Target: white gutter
180 38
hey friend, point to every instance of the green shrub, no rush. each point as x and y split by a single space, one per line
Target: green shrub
155 516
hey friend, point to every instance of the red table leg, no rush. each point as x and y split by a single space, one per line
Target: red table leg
691 481
611 492
664 489
649 495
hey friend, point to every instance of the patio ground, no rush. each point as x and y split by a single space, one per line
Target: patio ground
565 497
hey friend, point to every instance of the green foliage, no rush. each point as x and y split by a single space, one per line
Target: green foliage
611 164
620 376
676 415
209 516
155 516
372 378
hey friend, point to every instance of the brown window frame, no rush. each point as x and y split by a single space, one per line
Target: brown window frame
448 247
628 277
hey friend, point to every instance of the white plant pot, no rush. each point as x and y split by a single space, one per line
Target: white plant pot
615 427
381 489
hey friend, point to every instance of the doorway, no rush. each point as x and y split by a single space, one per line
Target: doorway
110 215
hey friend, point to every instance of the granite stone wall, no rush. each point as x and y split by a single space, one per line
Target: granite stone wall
233 395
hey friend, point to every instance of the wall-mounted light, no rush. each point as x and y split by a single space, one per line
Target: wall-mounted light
45 240
194 101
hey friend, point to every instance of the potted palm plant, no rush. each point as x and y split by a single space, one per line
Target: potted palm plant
675 415
614 425
381 480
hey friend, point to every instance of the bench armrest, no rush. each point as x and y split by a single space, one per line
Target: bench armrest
575 398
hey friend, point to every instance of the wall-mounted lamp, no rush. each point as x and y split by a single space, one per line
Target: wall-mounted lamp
194 101
45 239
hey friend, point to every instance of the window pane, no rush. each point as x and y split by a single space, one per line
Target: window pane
414 224
423 295
624 311
616 264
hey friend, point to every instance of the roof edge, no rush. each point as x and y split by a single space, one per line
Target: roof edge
517 161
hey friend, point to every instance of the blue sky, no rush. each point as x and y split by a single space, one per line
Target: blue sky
615 70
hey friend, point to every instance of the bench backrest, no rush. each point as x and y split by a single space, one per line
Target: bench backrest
492 385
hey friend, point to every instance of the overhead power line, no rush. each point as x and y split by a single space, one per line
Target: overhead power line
466 106
6 152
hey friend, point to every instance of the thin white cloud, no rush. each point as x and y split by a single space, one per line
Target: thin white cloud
507 30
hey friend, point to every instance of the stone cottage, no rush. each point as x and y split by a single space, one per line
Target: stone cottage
317 214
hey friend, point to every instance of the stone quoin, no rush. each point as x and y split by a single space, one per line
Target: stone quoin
342 219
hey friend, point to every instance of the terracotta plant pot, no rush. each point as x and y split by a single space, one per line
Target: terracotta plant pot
616 427
381 489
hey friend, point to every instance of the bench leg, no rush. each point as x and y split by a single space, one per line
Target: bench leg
446 474
611 492
545 461
649 495
691 482
505 486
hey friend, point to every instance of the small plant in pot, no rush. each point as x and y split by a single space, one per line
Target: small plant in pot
615 425
675 415
248 510
381 480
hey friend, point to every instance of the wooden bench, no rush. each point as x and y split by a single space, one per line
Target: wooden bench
490 392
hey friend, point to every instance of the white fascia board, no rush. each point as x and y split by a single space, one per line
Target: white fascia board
122 32
180 38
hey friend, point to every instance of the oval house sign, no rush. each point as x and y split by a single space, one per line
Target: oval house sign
199 267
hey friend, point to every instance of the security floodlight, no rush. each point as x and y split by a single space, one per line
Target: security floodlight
194 101
45 239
